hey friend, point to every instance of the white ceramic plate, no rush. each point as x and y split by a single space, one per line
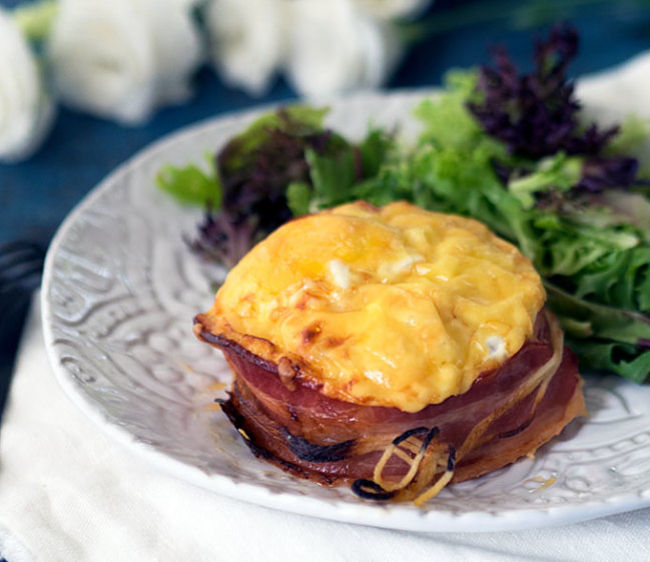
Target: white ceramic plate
120 292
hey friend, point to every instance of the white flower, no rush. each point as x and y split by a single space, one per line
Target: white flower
25 109
390 9
247 40
122 59
335 47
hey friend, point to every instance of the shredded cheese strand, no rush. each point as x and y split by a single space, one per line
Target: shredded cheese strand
406 479
413 448
434 490
402 455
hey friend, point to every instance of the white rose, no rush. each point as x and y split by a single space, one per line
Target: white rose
335 47
390 9
122 59
247 41
25 109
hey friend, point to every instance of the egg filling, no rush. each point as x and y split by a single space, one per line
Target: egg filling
393 306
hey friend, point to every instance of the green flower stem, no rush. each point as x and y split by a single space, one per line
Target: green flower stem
35 19
519 15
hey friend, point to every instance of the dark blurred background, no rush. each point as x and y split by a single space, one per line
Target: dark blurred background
36 195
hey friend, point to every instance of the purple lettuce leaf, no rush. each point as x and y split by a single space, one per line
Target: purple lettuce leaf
536 114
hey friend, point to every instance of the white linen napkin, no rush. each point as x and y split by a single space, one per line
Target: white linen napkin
69 493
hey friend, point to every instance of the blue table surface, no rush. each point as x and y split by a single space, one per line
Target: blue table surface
36 195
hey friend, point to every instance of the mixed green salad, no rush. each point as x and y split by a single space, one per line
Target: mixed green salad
510 149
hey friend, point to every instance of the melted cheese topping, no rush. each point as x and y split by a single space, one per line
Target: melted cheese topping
392 306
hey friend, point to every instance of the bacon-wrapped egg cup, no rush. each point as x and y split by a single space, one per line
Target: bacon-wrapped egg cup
391 349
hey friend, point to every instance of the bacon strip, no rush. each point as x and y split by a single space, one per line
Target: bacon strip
333 442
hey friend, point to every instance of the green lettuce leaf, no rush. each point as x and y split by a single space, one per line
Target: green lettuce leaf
299 198
604 337
190 185
375 149
447 121
337 174
332 176
629 361
558 172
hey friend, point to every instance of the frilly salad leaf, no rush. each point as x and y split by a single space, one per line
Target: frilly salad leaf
445 118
